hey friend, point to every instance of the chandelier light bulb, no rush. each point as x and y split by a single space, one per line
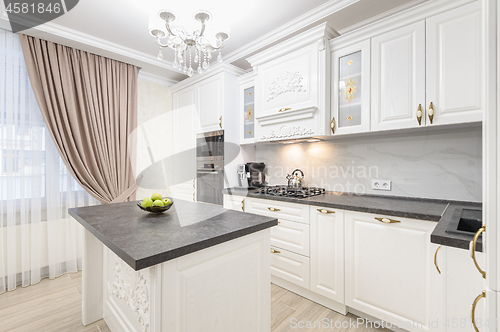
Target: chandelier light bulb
160 55
219 57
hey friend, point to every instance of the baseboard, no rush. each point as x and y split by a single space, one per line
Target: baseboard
115 320
373 319
308 294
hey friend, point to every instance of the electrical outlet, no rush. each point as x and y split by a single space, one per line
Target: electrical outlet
381 184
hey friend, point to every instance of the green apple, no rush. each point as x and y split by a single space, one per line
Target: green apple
158 202
167 201
147 202
156 197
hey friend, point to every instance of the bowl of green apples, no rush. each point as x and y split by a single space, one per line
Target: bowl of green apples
155 204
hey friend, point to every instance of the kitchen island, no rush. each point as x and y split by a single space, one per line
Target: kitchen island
196 267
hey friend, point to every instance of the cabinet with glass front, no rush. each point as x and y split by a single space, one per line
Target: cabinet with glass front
247 108
350 102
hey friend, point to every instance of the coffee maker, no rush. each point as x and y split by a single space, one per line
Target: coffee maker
252 175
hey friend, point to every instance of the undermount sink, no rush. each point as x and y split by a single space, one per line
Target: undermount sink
465 221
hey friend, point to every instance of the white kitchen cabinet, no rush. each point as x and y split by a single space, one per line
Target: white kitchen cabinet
278 209
389 271
247 108
292 236
462 284
292 85
289 266
184 108
327 252
350 75
234 202
398 78
454 65
210 109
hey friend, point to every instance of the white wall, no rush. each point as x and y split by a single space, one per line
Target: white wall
154 139
444 163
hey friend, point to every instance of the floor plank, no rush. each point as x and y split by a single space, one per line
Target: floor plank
55 306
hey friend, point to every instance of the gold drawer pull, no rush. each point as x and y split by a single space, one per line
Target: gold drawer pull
472 248
473 309
273 209
325 211
243 205
435 260
388 221
430 112
220 122
419 114
332 125
274 251
284 109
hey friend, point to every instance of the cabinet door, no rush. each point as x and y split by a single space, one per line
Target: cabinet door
210 108
327 252
233 202
184 103
390 271
463 284
398 78
454 65
351 89
292 236
247 112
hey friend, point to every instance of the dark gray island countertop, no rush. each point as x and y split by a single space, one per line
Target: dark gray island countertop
145 239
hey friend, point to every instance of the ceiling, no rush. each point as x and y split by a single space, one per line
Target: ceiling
119 28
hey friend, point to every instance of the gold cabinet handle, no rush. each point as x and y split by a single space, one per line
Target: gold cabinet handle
193 197
220 122
388 221
194 187
243 205
273 209
473 309
332 125
472 248
325 211
284 109
430 112
419 114
274 251
435 260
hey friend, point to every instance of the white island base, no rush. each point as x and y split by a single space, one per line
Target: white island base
224 288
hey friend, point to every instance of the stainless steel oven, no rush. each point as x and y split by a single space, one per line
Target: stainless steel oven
210 181
210 167
210 146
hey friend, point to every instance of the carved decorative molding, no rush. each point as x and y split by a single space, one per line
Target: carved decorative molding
131 287
286 132
286 82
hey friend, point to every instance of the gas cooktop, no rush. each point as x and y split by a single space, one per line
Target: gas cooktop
291 192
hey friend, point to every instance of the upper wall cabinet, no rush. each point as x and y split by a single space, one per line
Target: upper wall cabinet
428 73
292 85
454 66
398 78
210 109
247 108
350 106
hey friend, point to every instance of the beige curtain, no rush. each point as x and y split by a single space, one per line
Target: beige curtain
89 104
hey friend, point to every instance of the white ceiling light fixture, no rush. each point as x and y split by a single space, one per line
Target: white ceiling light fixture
184 44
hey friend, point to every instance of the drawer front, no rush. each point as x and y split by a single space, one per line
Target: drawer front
290 267
292 236
277 209
233 202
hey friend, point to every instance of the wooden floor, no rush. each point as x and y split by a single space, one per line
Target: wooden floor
55 305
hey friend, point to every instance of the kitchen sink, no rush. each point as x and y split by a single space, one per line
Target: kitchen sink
465 221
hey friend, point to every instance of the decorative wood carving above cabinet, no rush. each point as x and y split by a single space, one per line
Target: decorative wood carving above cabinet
291 85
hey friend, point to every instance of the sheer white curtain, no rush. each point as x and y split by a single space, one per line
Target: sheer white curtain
38 238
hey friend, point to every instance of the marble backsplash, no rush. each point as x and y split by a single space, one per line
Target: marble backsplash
444 164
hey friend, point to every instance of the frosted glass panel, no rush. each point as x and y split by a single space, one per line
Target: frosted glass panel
248 109
350 90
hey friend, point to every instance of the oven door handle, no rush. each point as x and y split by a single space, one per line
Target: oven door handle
208 172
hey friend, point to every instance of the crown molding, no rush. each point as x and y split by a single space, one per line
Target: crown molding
308 37
213 70
248 77
156 79
116 51
292 26
397 20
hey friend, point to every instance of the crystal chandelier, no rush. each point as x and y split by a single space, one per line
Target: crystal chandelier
186 46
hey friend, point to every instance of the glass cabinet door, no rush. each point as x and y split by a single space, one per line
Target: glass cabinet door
248 113
351 89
